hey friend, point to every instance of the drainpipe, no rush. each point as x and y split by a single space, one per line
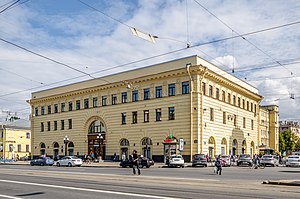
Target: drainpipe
201 107
191 107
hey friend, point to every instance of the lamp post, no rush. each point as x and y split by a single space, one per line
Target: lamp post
66 141
99 137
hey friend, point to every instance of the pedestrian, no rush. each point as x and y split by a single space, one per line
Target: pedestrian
218 164
115 157
123 157
135 158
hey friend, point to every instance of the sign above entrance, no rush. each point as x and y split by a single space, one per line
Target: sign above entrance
170 139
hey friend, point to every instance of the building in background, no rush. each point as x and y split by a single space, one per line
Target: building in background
185 106
289 126
15 139
269 129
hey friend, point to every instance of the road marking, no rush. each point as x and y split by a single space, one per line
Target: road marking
12 197
85 189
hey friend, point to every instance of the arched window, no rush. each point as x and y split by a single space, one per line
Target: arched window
42 145
124 142
97 127
146 147
71 144
55 145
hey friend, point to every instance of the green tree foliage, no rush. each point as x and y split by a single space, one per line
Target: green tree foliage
287 141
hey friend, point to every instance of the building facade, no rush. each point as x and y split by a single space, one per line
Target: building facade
292 126
185 106
15 139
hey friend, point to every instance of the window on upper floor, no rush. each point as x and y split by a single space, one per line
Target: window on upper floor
146 93
217 93
203 88
104 100
55 126
62 107
235 120
251 107
62 124
27 135
36 111
86 103
123 118
124 97
42 110
55 108
247 106
135 95
244 122
158 91
19 147
224 117
171 113
27 148
210 90
146 115
49 109
243 104
70 123
114 99
229 98
95 102
252 124
158 114
239 102
223 96
211 114
70 106
134 117
172 90
185 87
234 100
77 104
48 126
42 127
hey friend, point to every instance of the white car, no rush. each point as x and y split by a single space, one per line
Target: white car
293 160
69 161
176 161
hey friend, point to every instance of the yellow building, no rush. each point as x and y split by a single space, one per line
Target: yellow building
183 106
15 139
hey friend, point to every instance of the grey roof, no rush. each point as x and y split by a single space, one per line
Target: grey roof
20 124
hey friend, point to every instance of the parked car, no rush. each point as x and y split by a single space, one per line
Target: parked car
143 162
176 161
244 159
269 160
69 161
226 161
41 161
293 160
199 160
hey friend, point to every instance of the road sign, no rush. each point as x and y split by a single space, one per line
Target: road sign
181 143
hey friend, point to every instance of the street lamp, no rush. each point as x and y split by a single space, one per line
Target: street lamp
99 137
66 141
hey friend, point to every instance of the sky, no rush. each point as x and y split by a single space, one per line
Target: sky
50 43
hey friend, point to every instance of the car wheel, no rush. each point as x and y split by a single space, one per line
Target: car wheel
147 166
205 165
41 164
58 164
69 164
182 166
31 163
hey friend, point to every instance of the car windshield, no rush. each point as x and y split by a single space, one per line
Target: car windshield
294 157
176 156
267 156
224 157
199 156
245 156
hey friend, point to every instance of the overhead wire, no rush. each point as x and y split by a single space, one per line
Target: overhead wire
9 6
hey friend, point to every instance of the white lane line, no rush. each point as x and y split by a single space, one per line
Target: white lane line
85 189
12 197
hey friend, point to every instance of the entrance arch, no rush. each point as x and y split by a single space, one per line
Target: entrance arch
42 148
55 151
211 147
244 147
71 148
124 149
252 149
96 138
224 146
234 147
147 147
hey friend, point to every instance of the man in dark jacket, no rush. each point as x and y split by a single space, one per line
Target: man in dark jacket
218 164
135 158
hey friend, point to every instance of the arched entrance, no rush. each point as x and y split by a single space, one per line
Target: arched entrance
224 146
71 148
234 147
211 147
170 147
42 148
244 147
55 151
124 149
146 147
96 139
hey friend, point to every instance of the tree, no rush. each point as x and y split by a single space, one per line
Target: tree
287 141
281 143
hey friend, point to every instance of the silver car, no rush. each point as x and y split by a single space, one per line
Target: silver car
269 160
69 161
293 160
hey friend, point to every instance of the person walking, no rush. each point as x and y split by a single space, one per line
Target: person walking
218 164
135 158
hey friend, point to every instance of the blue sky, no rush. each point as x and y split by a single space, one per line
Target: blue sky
89 41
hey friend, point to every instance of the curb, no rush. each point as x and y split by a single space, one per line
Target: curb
281 182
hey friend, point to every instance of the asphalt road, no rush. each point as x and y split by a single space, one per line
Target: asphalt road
63 182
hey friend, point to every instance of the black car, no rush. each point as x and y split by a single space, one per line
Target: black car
244 159
41 161
143 162
199 160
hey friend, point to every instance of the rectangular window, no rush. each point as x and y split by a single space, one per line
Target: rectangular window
27 135
42 127
229 98
210 91
239 102
234 100
55 125
124 97
247 106
244 122
70 123
134 117
217 93
251 107
123 118
135 95
185 87
36 111
224 117
254 108
243 104
146 93
104 100
70 106
62 122
86 103
235 121
62 107
171 113
11 147
49 109
223 96
158 91
19 147
48 126
211 114
95 102
158 114
146 116
55 108
42 110
113 99
252 124
203 88
27 148
77 104
172 90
